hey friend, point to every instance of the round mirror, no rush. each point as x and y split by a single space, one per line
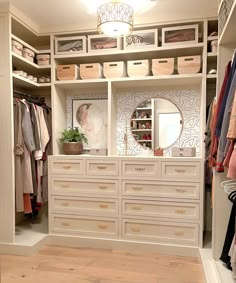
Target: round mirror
156 123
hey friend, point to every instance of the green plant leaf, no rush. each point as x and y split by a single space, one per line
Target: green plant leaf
73 135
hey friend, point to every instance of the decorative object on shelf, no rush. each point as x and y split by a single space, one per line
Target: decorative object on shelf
17 47
163 66
91 71
67 72
90 116
138 68
70 45
214 46
187 34
98 43
141 39
212 71
43 59
189 64
28 54
114 69
73 140
158 151
115 19
183 151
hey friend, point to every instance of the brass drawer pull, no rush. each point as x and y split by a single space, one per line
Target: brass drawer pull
67 167
137 188
180 170
180 211
137 208
103 187
103 205
103 227
140 169
135 229
65 224
102 167
180 191
179 233
65 186
65 204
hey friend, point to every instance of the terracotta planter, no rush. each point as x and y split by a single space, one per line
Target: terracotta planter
72 148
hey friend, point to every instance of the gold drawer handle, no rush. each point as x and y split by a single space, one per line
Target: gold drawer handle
180 191
180 170
65 204
65 224
179 233
137 208
65 186
135 229
103 187
137 188
102 167
67 167
180 211
140 169
104 205
103 227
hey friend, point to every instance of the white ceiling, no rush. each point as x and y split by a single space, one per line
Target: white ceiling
62 15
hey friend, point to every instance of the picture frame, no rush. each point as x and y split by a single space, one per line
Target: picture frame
102 43
141 39
91 118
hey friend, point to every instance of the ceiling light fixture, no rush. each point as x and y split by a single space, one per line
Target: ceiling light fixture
115 19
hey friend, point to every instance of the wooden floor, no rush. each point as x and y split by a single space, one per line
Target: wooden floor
67 265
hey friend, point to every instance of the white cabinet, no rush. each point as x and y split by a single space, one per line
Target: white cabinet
130 199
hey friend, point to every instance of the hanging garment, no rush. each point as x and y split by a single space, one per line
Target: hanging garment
232 122
232 166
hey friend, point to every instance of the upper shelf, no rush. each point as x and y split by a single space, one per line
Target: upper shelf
228 33
132 54
26 83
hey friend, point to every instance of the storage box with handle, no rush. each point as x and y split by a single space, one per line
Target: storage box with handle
163 66
28 54
43 59
91 71
114 69
17 47
183 151
67 72
189 64
138 68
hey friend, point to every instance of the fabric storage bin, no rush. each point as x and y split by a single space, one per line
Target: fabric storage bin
67 72
90 71
100 42
163 66
189 64
17 47
70 45
138 68
28 54
214 46
141 39
183 151
43 59
114 69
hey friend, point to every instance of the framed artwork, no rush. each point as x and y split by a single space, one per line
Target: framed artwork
90 116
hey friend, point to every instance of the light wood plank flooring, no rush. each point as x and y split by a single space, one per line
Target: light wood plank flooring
69 265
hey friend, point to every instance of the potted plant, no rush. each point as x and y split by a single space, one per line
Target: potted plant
72 141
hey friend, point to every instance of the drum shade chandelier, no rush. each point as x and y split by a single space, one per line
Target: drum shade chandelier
115 19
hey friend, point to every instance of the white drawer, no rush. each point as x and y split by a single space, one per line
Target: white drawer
70 186
67 167
155 231
140 169
102 168
74 205
183 190
181 170
84 225
161 209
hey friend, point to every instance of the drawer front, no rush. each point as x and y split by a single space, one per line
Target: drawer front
67 167
181 170
63 186
161 189
168 232
161 209
84 225
140 169
75 205
96 168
